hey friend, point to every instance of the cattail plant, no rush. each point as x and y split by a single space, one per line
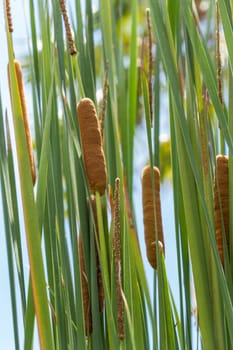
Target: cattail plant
20 83
92 146
221 204
9 17
151 207
69 35
129 312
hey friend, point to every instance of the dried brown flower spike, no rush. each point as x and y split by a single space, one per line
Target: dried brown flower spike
150 63
85 291
69 35
148 213
117 261
221 203
20 82
104 101
9 17
92 146
218 55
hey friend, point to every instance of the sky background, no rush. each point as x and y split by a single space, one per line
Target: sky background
20 40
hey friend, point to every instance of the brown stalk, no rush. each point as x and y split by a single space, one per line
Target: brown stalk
21 90
150 228
221 204
94 159
117 261
69 35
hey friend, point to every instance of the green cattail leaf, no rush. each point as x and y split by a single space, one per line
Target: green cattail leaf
30 215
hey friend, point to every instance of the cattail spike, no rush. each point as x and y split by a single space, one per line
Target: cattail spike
20 83
148 197
150 63
92 146
218 55
221 204
117 261
85 291
9 17
69 35
104 102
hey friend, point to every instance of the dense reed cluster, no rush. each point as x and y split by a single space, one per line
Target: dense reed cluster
90 285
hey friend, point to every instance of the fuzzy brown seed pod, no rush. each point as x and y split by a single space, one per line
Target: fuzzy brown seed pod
148 213
20 82
92 146
69 35
221 203
85 291
9 17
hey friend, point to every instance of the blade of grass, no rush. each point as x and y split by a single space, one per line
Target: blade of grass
30 215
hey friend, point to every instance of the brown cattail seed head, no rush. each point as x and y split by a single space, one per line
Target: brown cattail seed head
69 35
20 83
92 146
85 291
221 203
9 17
149 197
